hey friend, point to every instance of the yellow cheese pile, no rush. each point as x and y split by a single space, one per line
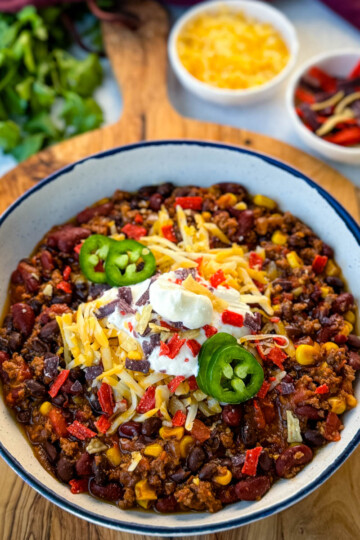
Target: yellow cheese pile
226 49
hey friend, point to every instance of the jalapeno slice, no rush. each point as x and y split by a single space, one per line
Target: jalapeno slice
129 262
207 351
92 257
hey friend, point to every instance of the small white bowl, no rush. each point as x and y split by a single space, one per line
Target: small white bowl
339 63
257 10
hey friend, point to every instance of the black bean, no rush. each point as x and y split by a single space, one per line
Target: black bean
49 331
180 475
51 364
334 282
151 426
36 389
354 360
59 400
165 189
65 469
99 468
248 435
156 201
343 303
327 251
196 458
265 461
23 417
15 341
207 471
50 451
166 505
313 437
38 346
232 187
110 492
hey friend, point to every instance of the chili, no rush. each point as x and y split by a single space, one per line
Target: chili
122 266
251 461
94 251
134 232
81 432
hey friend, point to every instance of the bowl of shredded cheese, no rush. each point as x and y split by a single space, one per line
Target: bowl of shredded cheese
233 51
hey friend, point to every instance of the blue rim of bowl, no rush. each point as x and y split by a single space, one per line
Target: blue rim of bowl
232 523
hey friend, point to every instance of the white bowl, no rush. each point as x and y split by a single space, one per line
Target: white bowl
258 10
338 63
62 195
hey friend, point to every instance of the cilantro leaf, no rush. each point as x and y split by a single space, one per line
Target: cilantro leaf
29 146
9 135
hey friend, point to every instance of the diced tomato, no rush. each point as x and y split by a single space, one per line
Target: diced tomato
327 83
79 485
66 273
199 431
103 424
172 386
323 389
189 203
194 346
169 233
332 427
251 461
130 326
217 278
255 261
209 330
172 347
164 349
134 231
319 263
230 317
304 96
179 418
147 402
277 356
139 219
81 432
58 422
192 383
59 381
106 398
64 286
346 137
263 390
168 326
355 72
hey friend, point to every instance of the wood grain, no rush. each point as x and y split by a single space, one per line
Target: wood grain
140 64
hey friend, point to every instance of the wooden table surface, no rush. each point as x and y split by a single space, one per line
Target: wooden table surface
139 63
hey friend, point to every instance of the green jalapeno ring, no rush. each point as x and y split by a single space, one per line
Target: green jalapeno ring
207 350
119 272
234 375
94 250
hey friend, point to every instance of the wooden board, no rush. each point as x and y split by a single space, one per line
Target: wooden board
139 62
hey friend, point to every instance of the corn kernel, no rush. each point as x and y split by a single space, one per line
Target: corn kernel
338 405
294 260
296 292
153 450
329 345
206 216
279 238
305 355
228 199
262 200
45 408
185 445
172 433
351 401
347 328
223 479
143 503
114 456
196 481
324 291
241 206
331 268
350 316
134 355
143 491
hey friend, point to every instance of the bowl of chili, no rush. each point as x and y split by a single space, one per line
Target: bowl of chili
323 101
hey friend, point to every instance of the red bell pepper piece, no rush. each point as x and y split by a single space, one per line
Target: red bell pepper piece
323 389
59 381
58 422
194 346
179 419
172 347
199 431
304 96
327 83
209 330
355 72
192 383
217 278
255 261
277 356
103 424
79 485
64 286
147 402
139 219
319 263
66 273
189 203
106 398
230 317
346 137
169 233
134 231
251 461
263 390
172 386
81 432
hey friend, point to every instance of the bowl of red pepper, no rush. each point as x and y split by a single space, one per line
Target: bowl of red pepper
323 100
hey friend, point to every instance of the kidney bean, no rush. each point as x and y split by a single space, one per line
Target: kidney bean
66 237
354 360
15 341
353 341
252 488
207 471
49 331
155 202
36 389
23 318
28 274
3 357
180 475
23 417
47 261
89 213
334 282
245 222
232 187
326 333
50 451
65 469
228 495
265 461
84 465
313 437
309 412
166 505
195 458
16 277
129 429
110 492
292 458
343 303
231 415
51 364
151 426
